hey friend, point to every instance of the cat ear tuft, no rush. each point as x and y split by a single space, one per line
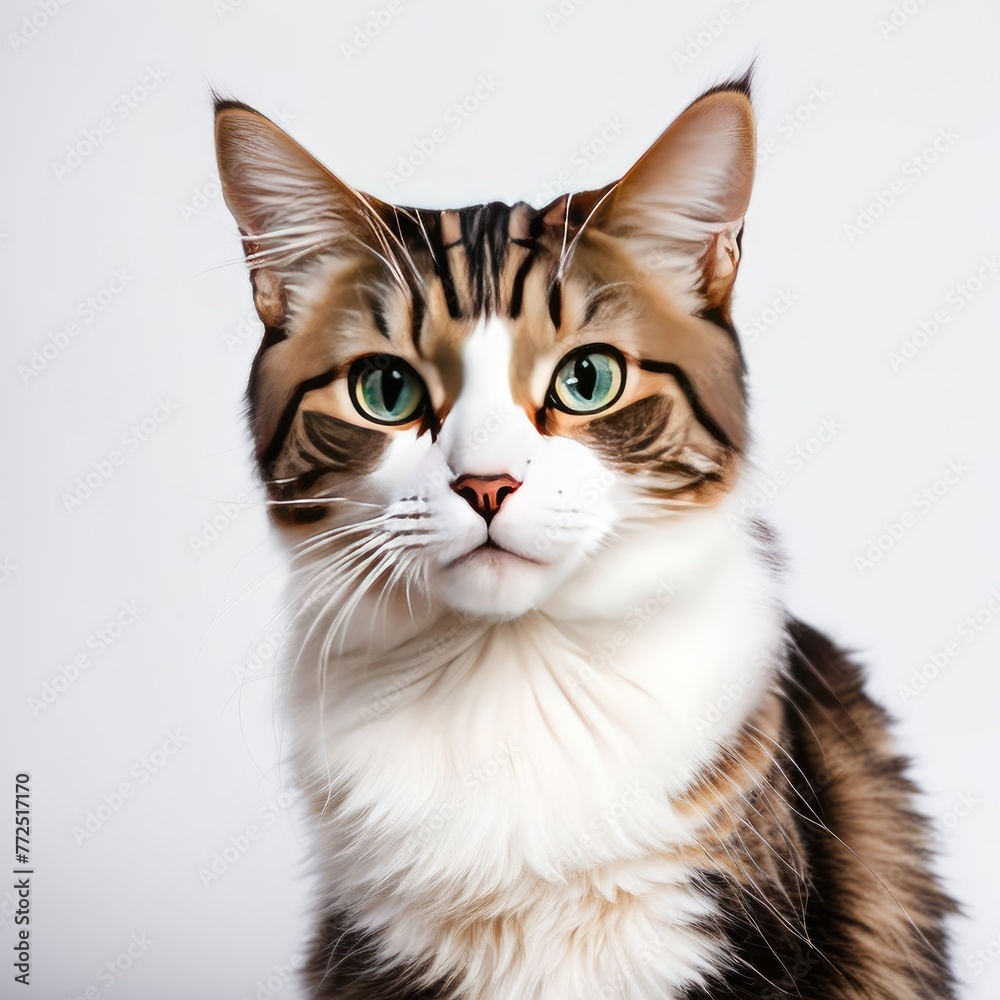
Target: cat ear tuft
680 209
288 206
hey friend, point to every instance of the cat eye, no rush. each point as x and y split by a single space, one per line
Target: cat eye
386 390
588 380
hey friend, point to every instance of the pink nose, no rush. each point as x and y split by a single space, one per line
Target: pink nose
485 494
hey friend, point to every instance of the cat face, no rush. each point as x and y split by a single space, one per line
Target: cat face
480 401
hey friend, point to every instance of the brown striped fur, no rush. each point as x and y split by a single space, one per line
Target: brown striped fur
336 302
806 840
818 852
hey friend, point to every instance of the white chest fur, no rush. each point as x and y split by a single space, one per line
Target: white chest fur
500 795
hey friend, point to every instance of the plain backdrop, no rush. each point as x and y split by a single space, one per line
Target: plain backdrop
138 619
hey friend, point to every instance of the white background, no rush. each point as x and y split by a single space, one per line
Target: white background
144 201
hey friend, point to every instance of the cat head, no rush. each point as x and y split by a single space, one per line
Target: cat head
482 399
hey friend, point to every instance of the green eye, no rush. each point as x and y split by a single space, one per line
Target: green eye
588 379
386 390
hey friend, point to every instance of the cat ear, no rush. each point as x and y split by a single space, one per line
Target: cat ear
680 208
288 206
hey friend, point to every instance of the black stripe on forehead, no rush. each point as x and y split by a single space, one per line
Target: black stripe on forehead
431 234
555 303
536 225
485 234
610 298
484 238
419 308
378 310
415 238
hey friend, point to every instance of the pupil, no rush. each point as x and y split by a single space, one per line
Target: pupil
392 386
585 376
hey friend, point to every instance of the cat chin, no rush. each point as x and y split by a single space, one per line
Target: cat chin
496 584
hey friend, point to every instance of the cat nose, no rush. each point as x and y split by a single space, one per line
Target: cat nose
485 494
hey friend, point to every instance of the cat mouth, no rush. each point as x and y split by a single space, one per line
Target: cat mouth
491 552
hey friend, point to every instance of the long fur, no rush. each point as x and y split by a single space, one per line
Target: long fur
564 742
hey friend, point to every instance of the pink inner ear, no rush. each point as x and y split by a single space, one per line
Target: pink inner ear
281 196
268 297
701 167
679 210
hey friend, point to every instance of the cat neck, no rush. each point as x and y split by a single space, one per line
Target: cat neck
662 645
473 772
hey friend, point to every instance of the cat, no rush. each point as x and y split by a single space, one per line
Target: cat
558 735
